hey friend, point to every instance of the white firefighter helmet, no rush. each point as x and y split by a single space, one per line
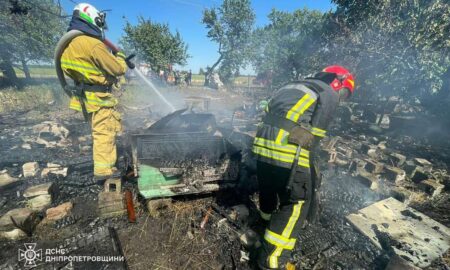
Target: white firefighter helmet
91 15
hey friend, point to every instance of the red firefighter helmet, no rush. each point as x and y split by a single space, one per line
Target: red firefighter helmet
344 78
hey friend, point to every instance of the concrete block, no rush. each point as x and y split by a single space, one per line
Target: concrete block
14 234
394 174
419 175
30 169
54 170
59 211
401 194
398 159
42 189
409 166
110 200
6 180
431 187
19 215
373 166
425 164
40 202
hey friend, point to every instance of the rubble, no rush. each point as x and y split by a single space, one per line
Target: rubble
40 196
59 211
14 234
6 180
431 187
250 239
50 134
30 169
42 189
39 202
19 215
54 169
394 174
418 175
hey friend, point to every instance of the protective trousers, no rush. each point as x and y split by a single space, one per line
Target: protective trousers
288 210
105 126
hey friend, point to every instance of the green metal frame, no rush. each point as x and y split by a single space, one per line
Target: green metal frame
151 183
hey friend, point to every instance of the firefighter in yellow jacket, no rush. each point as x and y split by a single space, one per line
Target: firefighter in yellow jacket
88 61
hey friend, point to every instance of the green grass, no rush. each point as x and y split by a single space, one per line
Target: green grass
38 71
38 96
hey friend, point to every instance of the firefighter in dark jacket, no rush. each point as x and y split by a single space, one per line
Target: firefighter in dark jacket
285 145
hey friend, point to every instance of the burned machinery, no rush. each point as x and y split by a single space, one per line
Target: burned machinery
183 154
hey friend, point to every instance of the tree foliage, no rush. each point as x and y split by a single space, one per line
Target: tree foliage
288 46
155 44
394 47
29 32
230 26
397 48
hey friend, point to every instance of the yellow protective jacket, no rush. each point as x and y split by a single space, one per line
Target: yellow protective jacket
87 60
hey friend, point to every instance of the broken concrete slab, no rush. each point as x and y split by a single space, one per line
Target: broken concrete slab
14 234
58 212
40 202
6 180
418 238
398 263
42 189
19 215
54 170
30 169
50 134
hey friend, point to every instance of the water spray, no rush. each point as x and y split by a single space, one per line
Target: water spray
153 87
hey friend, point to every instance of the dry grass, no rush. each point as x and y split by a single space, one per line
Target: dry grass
173 240
39 96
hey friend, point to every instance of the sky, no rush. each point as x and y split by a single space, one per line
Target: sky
185 16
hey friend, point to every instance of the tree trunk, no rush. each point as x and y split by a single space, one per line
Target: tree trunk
210 71
26 70
9 73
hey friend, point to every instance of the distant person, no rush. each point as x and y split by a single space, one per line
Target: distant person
177 77
188 78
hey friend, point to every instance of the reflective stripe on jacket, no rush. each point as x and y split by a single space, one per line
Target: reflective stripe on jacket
310 107
87 60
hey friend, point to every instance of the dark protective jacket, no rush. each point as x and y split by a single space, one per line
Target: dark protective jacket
311 104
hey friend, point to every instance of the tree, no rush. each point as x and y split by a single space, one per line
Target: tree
201 71
29 32
289 45
394 47
155 44
230 26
